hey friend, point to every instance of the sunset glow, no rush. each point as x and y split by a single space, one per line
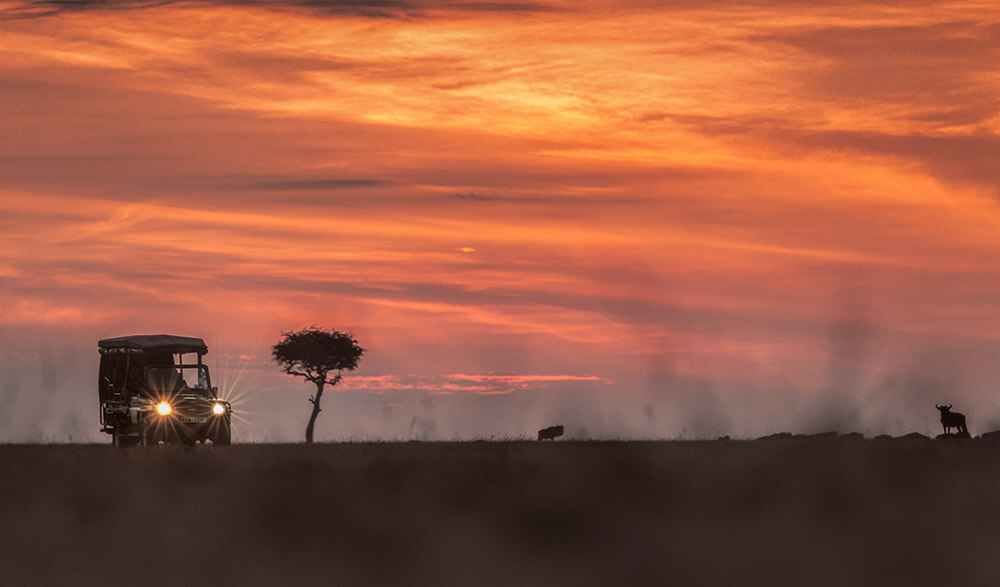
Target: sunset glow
647 221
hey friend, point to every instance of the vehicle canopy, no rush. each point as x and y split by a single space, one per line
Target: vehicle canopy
149 357
152 343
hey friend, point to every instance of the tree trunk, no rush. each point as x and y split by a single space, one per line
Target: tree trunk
315 412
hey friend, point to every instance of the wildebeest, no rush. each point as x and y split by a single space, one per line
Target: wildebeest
550 433
950 419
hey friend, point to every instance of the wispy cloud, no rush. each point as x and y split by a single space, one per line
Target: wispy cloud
364 8
314 184
486 384
506 7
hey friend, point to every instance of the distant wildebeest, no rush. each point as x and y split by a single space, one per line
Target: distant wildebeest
950 419
550 433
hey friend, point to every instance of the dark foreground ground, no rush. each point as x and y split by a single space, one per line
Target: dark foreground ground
765 512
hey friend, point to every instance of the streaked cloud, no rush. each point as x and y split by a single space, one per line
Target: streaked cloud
486 384
314 184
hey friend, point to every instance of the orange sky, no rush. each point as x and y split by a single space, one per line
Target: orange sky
639 222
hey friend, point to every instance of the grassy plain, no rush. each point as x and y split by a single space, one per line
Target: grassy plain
788 511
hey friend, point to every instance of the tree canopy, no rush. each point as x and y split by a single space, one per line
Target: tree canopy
314 353
319 356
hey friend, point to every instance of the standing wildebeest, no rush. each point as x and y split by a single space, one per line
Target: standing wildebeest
550 433
950 419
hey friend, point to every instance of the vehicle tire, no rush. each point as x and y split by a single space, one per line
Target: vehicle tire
145 435
223 437
119 439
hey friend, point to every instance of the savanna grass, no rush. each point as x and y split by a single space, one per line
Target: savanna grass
501 513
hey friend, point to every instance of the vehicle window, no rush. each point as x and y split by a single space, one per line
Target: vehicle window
160 379
196 376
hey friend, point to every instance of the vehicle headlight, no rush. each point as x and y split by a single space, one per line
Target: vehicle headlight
218 409
163 409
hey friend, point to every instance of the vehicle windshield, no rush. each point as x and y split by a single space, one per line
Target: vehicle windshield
185 378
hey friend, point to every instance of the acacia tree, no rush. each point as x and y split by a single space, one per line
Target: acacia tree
320 356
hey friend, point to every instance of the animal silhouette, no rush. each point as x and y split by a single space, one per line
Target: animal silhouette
950 419
550 433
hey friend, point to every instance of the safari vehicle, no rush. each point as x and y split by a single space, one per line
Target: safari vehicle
157 388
